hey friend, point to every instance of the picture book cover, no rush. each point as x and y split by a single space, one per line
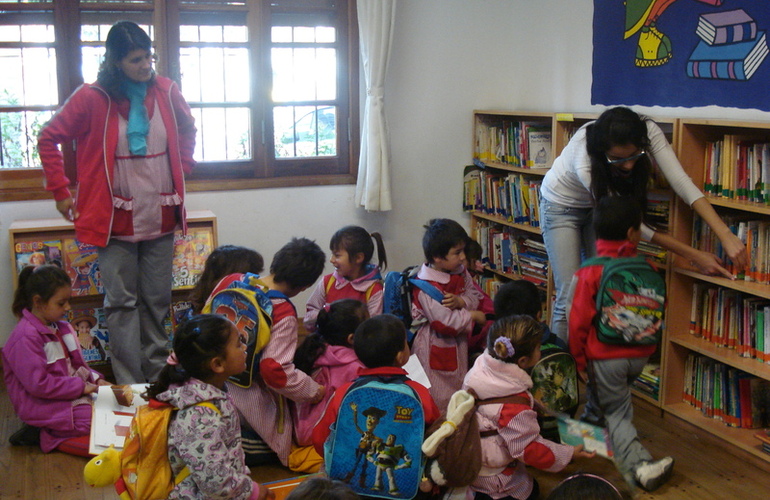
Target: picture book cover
113 409
91 328
283 487
592 437
81 261
37 253
190 253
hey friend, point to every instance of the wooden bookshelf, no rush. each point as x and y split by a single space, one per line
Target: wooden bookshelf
694 137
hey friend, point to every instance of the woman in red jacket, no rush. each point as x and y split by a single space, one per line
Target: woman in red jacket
135 137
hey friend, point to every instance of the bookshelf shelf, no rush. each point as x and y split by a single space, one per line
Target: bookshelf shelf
505 222
701 306
508 168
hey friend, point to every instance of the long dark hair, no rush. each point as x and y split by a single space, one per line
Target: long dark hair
124 36
334 326
355 239
196 342
43 281
618 126
224 260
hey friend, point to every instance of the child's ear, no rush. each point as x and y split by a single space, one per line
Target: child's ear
217 364
350 340
523 362
358 258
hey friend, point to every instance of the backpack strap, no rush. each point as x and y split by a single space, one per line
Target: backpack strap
330 283
428 288
186 470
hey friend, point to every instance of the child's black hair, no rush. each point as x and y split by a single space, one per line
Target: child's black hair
614 216
322 488
43 281
378 340
333 326
196 342
583 486
513 337
224 260
518 297
473 250
298 263
355 240
441 235
618 126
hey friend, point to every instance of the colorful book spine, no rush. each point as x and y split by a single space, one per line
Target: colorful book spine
718 28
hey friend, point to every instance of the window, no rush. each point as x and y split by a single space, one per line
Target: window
273 84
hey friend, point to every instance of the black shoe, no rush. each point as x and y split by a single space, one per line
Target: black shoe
26 436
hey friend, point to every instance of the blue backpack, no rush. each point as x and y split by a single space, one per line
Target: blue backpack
397 296
374 445
245 300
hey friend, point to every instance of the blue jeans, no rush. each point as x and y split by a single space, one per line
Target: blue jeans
569 238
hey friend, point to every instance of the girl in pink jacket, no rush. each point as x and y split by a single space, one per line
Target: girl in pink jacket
513 346
48 381
327 355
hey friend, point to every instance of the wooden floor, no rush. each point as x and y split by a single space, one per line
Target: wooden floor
704 467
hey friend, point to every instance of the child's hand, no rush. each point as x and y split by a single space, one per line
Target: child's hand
453 301
319 395
265 493
90 388
478 317
577 452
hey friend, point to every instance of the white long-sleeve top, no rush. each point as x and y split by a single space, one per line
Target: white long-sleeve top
568 182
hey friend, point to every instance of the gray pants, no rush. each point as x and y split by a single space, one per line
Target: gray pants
137 297
609 401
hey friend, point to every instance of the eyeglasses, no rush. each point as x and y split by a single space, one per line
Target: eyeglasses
621 161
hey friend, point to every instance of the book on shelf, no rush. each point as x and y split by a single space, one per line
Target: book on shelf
538 146
113 409
724 27
763 437
81 261
36 253
190 253
91 329
734 61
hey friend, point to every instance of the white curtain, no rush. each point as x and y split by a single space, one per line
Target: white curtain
375 24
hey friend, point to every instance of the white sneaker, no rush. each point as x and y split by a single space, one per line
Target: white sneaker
652 475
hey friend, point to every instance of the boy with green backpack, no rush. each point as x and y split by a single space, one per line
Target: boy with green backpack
615 321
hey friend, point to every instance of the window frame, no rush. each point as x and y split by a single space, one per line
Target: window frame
262 170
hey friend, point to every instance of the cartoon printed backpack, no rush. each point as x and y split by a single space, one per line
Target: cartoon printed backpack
555 385
245 301
630 301
374 445
141 471
397 296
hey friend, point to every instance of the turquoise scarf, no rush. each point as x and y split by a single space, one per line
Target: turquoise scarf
138 122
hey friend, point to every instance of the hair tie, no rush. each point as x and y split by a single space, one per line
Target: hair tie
509 350
171 359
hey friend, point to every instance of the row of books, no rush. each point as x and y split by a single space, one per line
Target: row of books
90 325
81 260
738 167
754 233
725 393
514 197
648 382
509 251
730 46
731 319
516 143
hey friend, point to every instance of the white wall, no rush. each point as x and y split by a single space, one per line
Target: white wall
449 58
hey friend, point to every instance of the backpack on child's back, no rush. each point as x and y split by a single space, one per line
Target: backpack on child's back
374 445
141 470
555 385
245 301
397 296
630 301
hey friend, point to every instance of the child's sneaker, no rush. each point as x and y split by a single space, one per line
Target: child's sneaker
26 436
652 475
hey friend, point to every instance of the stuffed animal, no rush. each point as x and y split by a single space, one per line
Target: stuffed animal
103 469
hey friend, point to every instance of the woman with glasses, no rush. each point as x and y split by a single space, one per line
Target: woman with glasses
614 156
134 137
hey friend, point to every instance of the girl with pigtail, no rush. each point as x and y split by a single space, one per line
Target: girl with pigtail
204 434
354 276
513 348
